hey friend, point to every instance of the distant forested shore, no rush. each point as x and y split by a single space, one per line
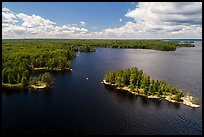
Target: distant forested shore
163 45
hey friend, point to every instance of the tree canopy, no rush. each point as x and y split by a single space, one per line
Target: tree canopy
136 80
22 57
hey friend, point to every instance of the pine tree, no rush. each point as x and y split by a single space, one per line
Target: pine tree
19 78
24 81
46 78
133 79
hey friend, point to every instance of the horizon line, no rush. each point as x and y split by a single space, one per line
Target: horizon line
99 38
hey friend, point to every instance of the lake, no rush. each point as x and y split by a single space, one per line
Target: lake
77 105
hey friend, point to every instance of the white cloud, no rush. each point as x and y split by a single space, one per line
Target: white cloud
151 20
34 21
74 25
168 12
161 20
34 26
5 10
82 23
8 16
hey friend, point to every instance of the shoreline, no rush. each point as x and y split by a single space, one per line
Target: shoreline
39 86
20 86
186 100
49 69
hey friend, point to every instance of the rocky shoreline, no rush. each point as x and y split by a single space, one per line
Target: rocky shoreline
187 100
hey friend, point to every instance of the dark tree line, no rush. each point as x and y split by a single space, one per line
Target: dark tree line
87 49
163 45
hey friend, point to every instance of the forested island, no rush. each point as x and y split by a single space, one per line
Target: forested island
23 57
137 82
43 81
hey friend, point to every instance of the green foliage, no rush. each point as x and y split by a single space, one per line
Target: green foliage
119 81
5 75
19 78
131 86
46 78
138 44
158 94
177 97
150 92
146 89
126 76
11 79
195 100
24 81
21 57
110 77
87 49
134 78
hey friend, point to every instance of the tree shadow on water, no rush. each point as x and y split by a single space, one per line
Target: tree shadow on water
10 91
175 105
144 100
43 91
157 102
121 95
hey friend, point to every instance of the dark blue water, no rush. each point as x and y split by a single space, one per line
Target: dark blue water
80 106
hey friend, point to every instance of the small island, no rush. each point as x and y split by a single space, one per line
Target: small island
41 82
136 82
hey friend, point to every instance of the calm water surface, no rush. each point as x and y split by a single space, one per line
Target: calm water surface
79 106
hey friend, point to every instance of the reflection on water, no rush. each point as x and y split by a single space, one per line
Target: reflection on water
43 91
10 91
122 95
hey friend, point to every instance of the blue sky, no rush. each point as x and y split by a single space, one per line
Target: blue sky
102 20
98 14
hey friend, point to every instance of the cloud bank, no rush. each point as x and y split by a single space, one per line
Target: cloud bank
151 20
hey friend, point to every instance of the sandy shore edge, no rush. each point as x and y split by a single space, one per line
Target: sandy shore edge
186 100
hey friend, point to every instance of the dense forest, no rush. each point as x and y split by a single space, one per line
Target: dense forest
136 80
87 49
22 57
162 45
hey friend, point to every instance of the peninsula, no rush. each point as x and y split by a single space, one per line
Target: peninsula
136 82
23 58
